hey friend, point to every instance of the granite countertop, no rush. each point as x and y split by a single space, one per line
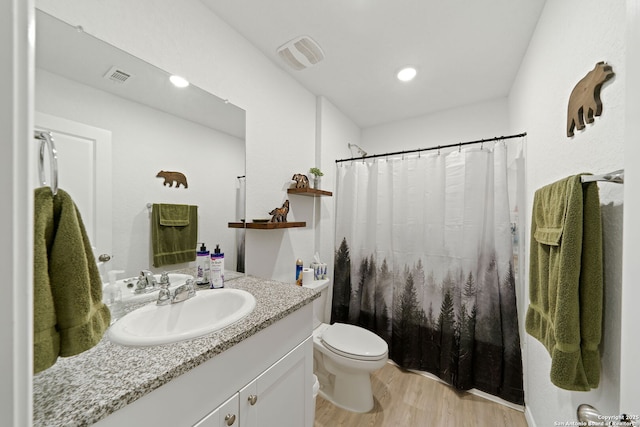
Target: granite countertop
83 389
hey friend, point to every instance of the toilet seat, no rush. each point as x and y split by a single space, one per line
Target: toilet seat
354 342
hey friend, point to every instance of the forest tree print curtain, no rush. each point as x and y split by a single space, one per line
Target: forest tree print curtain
424 259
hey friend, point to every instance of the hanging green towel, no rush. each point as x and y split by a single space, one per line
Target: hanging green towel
174 215
566 280
175 243
69 316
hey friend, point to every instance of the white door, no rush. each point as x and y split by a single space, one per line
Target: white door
84 171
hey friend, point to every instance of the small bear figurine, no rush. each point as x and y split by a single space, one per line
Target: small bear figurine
171 177
584 101
301 180
280 214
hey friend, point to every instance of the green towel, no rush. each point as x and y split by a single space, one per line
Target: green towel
566 280
174 215
69 316
173 244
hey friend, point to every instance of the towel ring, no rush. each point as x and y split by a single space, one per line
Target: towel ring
46 140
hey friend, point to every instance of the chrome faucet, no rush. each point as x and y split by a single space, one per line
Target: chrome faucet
182 293
146 282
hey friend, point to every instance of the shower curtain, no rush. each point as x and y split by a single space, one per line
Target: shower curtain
424 259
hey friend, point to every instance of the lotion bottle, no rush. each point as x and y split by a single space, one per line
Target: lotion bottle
203 265
217 268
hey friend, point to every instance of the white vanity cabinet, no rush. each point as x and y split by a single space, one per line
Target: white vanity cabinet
273 369
275 398
224 416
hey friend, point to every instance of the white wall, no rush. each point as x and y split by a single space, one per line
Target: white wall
467 123
145 141
335 131
571 37
185 38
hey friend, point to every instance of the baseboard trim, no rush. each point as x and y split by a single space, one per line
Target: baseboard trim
529 417
473 391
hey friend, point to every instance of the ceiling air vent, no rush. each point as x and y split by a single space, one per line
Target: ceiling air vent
117 75
301 52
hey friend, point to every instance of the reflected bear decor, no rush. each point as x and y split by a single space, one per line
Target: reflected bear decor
173 177
584 102
301 180
280 214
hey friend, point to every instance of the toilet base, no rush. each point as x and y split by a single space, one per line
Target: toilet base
350 392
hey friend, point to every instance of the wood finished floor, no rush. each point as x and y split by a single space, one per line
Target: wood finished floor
406 399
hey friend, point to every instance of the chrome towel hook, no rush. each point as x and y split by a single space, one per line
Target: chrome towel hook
46 140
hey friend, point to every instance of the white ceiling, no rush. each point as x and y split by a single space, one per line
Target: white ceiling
466 51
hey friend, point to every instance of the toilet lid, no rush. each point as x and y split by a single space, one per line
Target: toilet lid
354 342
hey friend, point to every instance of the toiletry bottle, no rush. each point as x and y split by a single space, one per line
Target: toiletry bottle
112 296
203 266
299 266
217 268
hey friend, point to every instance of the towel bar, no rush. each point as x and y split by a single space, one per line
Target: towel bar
46 139
615 177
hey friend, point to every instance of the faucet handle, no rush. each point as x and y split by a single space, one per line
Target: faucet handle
164 296
164 280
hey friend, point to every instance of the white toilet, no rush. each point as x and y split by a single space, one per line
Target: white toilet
344 356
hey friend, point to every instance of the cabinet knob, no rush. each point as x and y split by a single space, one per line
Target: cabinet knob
253 399
230 419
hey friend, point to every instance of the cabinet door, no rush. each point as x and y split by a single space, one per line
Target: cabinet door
224 415
280 395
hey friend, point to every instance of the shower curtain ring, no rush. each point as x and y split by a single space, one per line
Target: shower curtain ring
438 150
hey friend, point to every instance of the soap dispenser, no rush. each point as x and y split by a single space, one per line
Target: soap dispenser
203 265
217 268
112 296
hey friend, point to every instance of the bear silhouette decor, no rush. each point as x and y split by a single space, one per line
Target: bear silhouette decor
173 177
584 102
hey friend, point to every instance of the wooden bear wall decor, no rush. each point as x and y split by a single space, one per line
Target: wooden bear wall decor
301 180
584 102
173 177
280 214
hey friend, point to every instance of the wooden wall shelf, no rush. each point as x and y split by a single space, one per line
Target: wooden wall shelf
311 192
267 225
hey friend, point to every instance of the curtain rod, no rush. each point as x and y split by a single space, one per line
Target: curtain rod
459 144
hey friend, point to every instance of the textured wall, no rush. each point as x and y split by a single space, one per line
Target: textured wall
470 122
571 36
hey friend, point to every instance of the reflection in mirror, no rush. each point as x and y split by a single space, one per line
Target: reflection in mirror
117 122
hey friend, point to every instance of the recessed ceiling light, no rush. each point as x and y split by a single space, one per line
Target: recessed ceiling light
407 74
179 81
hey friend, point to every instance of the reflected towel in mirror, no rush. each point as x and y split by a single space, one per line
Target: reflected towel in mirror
173 244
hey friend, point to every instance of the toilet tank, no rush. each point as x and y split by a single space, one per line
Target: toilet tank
319 304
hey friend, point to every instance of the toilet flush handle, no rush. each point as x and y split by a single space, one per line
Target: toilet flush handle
252 399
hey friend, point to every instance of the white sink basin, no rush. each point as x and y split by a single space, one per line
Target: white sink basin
210 310
127 287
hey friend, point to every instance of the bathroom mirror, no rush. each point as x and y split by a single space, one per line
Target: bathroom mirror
117 122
